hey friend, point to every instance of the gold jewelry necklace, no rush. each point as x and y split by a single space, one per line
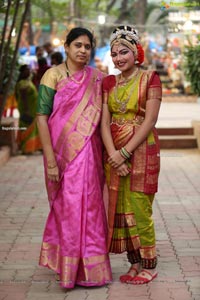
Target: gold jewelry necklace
124 80
72 77
123 104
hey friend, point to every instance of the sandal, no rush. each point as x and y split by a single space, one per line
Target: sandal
57 277
132 272
144 277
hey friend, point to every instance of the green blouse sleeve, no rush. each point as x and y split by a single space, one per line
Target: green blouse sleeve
45 100
46 94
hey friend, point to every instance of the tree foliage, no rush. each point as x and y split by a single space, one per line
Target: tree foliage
192 67
14 13
9 53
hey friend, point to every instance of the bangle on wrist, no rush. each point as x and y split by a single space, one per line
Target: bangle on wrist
130 153
51 167
124 153
51 164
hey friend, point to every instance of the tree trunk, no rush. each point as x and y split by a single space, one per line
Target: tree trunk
29 20
51 15
14 59
110 5
7 45
4 35
124 11
140 7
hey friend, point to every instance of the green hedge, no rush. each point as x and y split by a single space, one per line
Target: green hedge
192 67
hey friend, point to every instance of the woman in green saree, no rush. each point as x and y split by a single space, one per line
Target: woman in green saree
26 95
130 111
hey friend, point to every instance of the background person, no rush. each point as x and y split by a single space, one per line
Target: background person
26 95
56 58
48 48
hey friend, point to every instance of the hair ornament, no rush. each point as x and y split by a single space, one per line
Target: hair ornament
125 32
128 36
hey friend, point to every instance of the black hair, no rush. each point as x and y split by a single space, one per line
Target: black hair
47 44
79 31
57 56
22 68
22 74
38 48
42 61
122 27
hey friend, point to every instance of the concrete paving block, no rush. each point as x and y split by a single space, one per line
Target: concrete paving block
97 291
189 252
18 296
181 294
119 297
159 293
45 296
195 292
24 275
195 282
97 297
55 288
38 287
12 288
193 267
166 259
6 276
177 224
191 274
196 297
77 293
17 266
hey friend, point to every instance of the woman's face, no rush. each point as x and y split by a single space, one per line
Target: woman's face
79 51
123 57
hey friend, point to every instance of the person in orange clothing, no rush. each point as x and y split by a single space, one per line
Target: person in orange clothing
26 94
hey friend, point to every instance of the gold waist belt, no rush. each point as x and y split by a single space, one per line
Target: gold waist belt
121 121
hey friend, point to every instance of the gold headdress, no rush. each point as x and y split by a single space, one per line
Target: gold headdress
126 35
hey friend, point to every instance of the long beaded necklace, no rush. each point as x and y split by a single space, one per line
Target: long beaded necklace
123 104
72 77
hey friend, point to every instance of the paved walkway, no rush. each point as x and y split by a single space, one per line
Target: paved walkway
23 210
178 114
24 207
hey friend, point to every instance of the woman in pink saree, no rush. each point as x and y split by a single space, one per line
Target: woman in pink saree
69 109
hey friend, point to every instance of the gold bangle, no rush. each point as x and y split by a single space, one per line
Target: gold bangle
51 167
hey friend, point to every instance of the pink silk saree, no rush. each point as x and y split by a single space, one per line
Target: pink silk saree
74 242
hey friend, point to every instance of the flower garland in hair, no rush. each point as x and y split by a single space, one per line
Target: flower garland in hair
140 54
108 83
